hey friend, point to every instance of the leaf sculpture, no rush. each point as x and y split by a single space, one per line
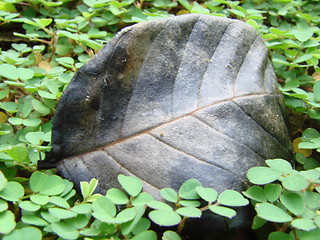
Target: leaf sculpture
192 96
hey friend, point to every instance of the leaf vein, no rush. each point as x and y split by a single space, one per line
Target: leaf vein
190 155
122 166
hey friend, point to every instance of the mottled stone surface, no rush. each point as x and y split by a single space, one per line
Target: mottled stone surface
192 96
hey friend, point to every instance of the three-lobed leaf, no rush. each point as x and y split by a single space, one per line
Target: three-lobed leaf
189 203
262 175
7 222
165 217
8 71
232 198
170 235
272 191
272 213
18 152
40 107
223 211
313 234
302 35
87 189
83 208
142 199
3 181
304 224
295 182
293 202
159 205
12 192
39 199
141 226
150 235
29 206
311 199
3 205
169 194
26 233
280 165
103 207
138 224
257 222
65 231
122 217
45 184
132 185
80 221
191 212
117 196
208 194
256 193
188 189
61 213
34 220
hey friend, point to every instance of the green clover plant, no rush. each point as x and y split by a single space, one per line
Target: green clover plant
290 199
47 207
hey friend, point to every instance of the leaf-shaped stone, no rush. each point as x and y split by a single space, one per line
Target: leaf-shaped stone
192 96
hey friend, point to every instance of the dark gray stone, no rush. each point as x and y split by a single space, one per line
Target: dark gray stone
192 96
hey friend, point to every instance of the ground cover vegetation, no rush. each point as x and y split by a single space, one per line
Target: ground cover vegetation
43 43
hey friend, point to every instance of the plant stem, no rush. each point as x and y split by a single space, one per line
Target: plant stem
181 225
295 234
25 167
207 207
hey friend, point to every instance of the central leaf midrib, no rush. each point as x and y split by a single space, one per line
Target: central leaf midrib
169 122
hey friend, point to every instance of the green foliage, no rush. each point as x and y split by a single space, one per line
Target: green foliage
50 40
293 205
48 207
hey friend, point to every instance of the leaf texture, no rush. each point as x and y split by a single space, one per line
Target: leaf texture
192 96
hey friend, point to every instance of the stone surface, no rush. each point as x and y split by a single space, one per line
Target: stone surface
192 96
